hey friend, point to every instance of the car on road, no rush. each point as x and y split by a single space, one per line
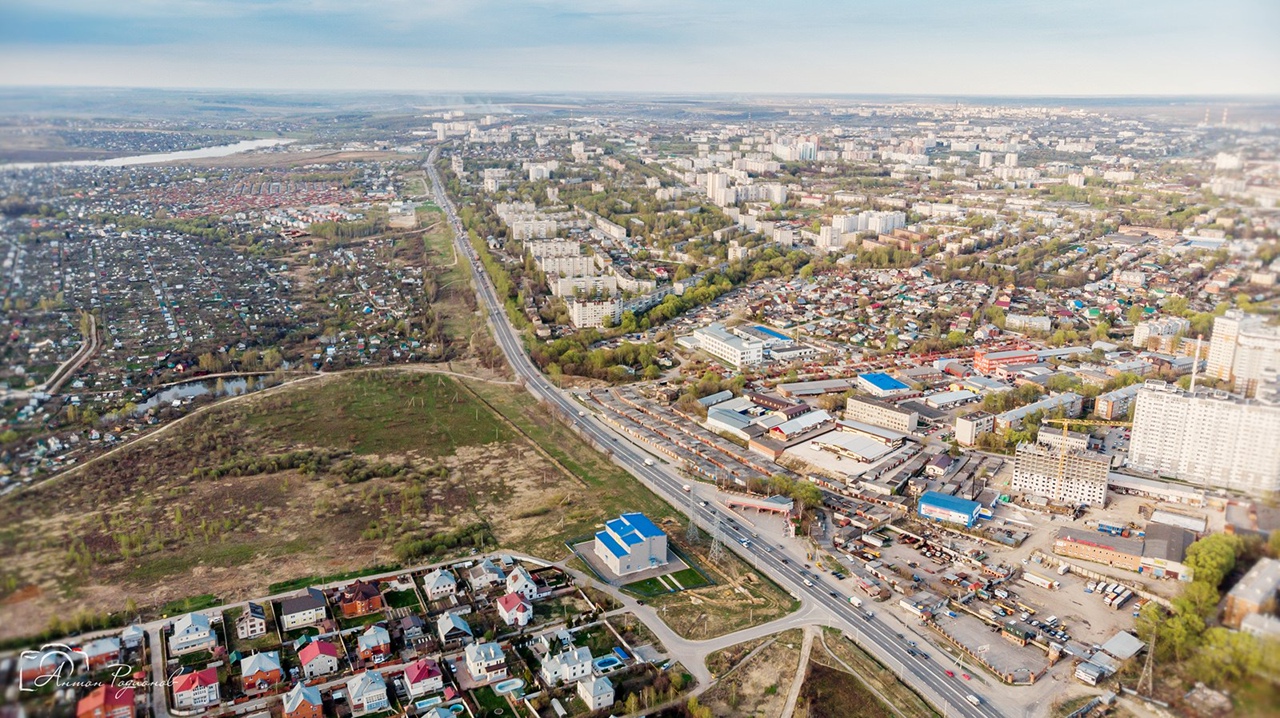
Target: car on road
809 583
965 676
950 673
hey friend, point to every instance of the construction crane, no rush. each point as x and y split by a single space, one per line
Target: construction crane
1062 449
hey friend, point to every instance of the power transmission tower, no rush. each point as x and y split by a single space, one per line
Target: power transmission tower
1148 669
717 546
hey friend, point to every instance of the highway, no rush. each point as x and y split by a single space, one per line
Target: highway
881 640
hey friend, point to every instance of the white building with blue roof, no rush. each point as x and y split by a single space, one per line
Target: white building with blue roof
631 543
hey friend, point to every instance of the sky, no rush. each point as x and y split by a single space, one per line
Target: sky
945 47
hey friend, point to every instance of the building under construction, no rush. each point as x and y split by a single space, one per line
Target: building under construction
1072 477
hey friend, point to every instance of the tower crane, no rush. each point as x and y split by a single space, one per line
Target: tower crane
1062 448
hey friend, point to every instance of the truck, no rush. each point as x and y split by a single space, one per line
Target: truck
1063 569
855 601
1124 598
1040 581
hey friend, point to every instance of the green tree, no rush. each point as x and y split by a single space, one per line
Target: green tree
1197 598
806 494
1213 557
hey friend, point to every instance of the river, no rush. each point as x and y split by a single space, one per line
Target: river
202 153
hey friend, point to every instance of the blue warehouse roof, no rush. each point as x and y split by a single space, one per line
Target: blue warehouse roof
884 382
950 503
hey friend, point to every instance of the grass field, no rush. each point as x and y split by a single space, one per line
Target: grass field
403 599
340 476
647 587
372 413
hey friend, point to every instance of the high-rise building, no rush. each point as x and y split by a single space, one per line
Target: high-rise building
1208 437
986 159
1242 349
1071 476
1162 330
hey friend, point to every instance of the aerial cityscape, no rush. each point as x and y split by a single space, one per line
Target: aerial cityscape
438 370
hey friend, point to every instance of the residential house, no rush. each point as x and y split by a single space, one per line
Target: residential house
260 671
101 652
306 609
318 658
571 665
439 584
359 599
192 633
34 664
519 581
196 690
367 693
107 702
303 701
515 609
596 692
374 644
412 628
453 628
252 623
548 642
132 636
484 574
486 662
422 677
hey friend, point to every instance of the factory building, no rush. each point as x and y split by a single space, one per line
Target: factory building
937 506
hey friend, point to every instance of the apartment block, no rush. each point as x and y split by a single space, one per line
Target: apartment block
1210 438
1073 476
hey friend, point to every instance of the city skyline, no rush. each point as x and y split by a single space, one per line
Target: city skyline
997 48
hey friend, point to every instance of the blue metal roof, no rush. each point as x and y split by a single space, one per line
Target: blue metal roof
611 545
883 382
642 524
950 503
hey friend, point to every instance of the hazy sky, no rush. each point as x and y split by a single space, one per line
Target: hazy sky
1072 47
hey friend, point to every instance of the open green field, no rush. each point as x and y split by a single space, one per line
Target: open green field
373 413
344 475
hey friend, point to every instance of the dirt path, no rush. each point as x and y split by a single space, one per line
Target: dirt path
794 694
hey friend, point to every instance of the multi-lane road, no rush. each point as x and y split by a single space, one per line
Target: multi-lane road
886 642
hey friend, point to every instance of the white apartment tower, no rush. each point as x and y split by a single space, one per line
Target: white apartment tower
1210 438
1243 349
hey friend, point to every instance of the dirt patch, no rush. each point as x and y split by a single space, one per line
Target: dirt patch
831 693
759 686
